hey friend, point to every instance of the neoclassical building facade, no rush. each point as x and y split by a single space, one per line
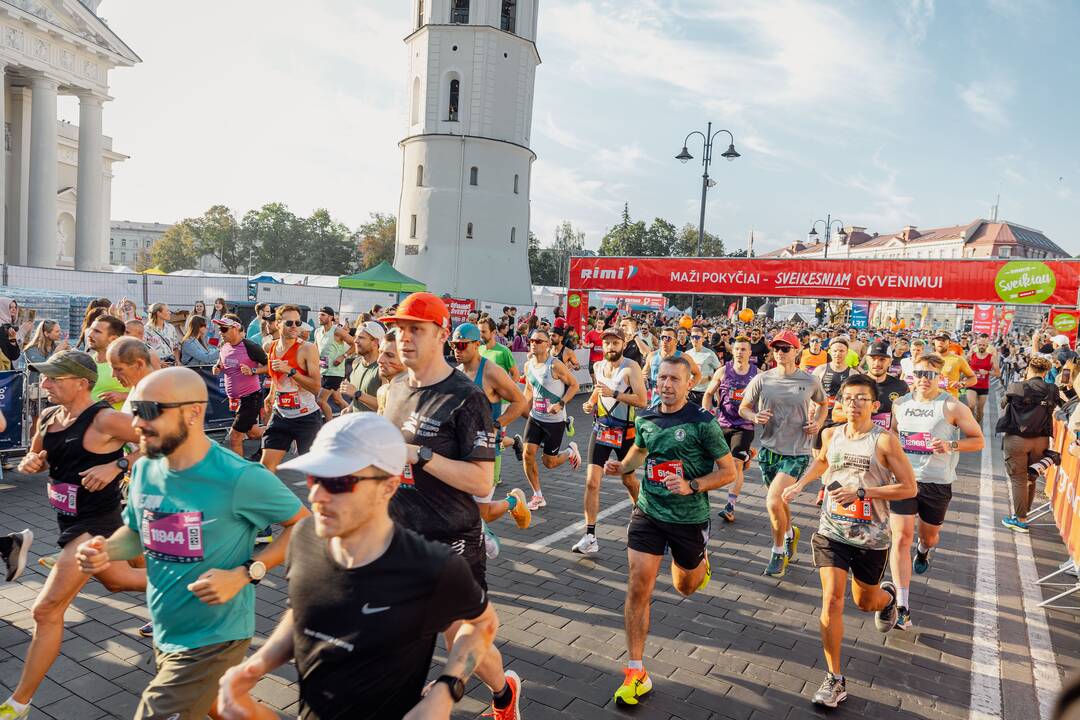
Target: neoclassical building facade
56 177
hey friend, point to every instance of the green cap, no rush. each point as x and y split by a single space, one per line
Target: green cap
69 363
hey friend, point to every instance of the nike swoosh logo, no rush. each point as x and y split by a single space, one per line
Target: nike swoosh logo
368 610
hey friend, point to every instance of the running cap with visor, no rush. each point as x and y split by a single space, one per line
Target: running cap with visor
69 363
466 332
373 329
350 443
786 336
422 307
227 323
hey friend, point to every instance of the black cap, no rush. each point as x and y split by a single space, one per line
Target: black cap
879 349
328 310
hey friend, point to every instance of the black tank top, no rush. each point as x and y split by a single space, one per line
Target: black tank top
67 458
831 380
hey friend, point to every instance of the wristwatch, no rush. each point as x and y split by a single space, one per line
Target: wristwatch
123 464
423 456
456 685
954 445
292 371
693 485
256 570
861 493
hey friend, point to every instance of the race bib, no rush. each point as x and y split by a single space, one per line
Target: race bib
917 442
407 476
540 405
288 400
610 436
983 373
234 404
657 472
173 537
64 498
859 512
737 394
883 420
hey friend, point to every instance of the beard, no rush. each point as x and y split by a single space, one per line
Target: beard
168 444
613 355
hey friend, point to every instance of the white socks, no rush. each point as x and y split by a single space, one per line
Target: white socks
778 549
18 707
635 664
902 597
922 548
790 533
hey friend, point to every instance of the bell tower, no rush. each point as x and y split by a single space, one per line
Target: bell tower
463 217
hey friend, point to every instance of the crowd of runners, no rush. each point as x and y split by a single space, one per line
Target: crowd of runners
399 421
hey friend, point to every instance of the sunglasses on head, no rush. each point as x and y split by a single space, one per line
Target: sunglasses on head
926 374
292 323
342 484
150 410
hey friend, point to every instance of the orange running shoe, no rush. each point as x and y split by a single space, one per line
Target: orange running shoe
636 684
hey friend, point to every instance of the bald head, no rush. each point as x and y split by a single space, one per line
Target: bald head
175 384
128 350
175 431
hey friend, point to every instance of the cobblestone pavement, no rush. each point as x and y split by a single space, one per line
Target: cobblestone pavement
746 647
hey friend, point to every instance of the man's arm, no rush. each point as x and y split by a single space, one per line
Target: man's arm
116 425
898 463
234 689
472 642
695 370
309 358
960 415
714 385
634 458
560 371
508 390
638 396
968 373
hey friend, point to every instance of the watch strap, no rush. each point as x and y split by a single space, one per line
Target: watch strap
455 684
247 566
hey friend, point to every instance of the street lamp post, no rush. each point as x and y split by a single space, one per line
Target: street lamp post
730 154
829 221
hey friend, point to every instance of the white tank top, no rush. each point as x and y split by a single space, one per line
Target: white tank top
541 376
918 423
609 406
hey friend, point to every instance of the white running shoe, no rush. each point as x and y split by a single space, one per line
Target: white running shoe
536 502
575 455
587 545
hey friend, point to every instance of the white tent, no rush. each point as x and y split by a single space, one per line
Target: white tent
300 279
121 269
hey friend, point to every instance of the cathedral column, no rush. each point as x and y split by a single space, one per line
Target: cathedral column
89 188
42 202
7 252
18 177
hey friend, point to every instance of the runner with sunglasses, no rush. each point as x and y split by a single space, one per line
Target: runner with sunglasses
242 361
668 348
707 361
934 428
780 401
296 381
358 580
731 381
549 385
813 356
446 421
74 436
194 508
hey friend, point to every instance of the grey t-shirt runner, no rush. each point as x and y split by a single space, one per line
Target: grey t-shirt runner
366 379
788 397
709 364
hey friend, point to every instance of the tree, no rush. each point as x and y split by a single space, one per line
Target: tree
328 246
217 233
378 237
686 244
277 235
175 250
625 239
544 266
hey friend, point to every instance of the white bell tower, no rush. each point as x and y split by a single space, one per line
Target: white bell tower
463 218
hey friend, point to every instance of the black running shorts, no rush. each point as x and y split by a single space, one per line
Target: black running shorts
600 453
981 391
930 504
104 524
652 537
282 432
548 435
739 441
332 382
470 547
247 415
867 565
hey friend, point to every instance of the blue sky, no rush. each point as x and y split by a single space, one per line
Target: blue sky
882 113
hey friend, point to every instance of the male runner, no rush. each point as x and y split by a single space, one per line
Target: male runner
130 361
362 387
636 347
707 362
295 380
930 423
75 436
890 388
955 366
359 581
390 367
779 400
102 332
813 356
857 462
446 421
194 509
332 342
652 363
549 385
984 361
685 456
731 381
497 387
833 373
242 361
559 351
254 328
907 365
494 351
618 393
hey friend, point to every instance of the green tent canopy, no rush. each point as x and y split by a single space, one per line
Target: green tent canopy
381 277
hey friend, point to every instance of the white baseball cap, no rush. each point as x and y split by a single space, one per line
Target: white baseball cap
373 329
1060 340
349 443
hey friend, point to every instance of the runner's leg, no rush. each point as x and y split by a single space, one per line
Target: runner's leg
903 532
593 475
639 588
532 472
271 458
831 621
779 511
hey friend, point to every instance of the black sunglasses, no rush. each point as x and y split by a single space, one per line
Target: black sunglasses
292 323
926 374
782 348
150 410
461 344
342 484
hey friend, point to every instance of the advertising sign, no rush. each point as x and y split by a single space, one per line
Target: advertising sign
983 320
1064 322
1016 282
631 302
577 310
860 314
1062 487
459 309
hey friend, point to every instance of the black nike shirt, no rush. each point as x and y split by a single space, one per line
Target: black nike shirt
363 637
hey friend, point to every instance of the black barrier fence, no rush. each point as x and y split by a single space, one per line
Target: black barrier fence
218 415
13 405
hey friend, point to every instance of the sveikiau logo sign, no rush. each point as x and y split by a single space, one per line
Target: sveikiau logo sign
1065 322
1025 282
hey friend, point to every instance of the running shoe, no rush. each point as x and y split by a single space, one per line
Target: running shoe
570 426
519 448
636 685
521 513
492 546
536 502
9 713
48 562
513 710
777 565
728 513
832 692
885 619
147 630
921 563
792 543
575 455
1014 524
15 559
903 618
265 537
587 545
708 575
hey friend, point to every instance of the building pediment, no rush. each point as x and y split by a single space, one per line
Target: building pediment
71 20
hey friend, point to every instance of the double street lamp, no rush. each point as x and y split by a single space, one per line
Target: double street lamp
730 154
829 222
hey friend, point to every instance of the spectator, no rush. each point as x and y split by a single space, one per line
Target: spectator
162 336
93 312
194 349
47 339
9 346
127 310
254 329
220 309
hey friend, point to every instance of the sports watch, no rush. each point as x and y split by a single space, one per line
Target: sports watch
423 456
123 464
693 485
861 493
954 445
256 571
455 684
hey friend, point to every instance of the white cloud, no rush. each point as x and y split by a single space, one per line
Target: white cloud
986 100
916 15
891 207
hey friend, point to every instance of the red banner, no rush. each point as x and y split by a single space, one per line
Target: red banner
577 310
459 309
1013 282
983 321
627 301
1062 488
1065 322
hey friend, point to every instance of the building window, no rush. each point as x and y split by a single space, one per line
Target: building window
468 232
515 184
459 12
513 234
412 226
452 108
420 14
123 243
416 101
474 175
1004 252
419 176
509 15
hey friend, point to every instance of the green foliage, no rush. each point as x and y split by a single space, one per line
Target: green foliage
551 265
378 237
175 250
